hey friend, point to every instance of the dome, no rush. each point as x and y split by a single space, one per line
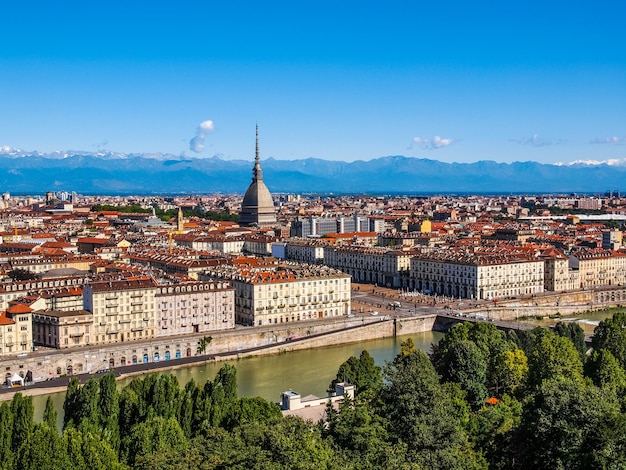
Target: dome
257 206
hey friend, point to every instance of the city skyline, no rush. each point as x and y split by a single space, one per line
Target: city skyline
455 83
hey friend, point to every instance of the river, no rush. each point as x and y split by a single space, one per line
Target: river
307 371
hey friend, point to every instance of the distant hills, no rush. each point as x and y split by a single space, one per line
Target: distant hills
116 173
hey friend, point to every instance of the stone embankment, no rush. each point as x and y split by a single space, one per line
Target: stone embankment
241 342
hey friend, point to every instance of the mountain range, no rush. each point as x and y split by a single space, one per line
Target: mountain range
117 173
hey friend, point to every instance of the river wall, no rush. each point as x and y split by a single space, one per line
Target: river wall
564 304
239 342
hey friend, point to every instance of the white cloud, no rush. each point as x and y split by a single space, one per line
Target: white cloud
610 140
196 144
536 141
436 142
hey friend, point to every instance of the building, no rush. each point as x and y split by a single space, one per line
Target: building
484 274
598 267
381 266
273 293
62 329
123 310
16 330
257 207
194 307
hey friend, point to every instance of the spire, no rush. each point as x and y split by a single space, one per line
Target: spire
257 172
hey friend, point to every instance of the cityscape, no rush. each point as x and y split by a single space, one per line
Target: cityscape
106 271
302 236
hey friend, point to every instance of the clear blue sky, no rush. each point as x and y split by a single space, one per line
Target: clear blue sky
448 80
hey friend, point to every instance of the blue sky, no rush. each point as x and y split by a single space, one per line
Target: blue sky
448 80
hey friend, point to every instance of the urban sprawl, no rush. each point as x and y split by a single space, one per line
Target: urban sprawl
84 271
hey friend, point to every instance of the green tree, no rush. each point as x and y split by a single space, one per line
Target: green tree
22 411
605 372
494 431
572 425
553 357
50 414
203 343
422 416
610 334
251 410
361 372
45 450
573 332
153 435
467 366
6 436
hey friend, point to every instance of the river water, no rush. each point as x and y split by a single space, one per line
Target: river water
306 372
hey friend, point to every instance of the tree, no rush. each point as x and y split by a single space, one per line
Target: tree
553 357
407 347
467 366
494 433
421 414
203 343
6 435
153 435
605 372
574 333
610 334
22 410
362 372
511 372
50 414
569 424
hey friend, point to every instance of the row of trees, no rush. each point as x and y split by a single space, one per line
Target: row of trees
481 399
169 213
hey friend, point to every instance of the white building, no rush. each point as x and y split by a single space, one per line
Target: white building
486 274
281 293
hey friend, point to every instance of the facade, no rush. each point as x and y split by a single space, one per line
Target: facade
194 307
257 207
380 266
16 330
122 310
305 251
598 267
558 276
486 275
283 293
62 329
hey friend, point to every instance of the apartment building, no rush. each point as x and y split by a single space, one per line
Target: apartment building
62 328
16 332
598 267
194 307
123 310
276 293
484 274
380 266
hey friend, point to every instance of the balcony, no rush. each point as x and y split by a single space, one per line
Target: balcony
137 328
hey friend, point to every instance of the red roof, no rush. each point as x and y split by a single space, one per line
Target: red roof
19 308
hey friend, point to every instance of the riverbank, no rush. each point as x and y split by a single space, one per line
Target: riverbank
300 337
